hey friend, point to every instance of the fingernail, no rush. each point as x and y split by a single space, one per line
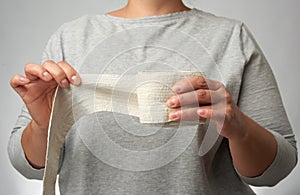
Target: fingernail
76 80
173 115
202 112
47 75
22 79
176 89
172 101
64 83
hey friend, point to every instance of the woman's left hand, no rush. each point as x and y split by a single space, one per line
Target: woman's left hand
209 99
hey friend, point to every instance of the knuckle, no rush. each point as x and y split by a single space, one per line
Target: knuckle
28 67
62 64
201 82
228 118
229 109
201 93
228 97
48 63
60 75
229 112
68 69
54 69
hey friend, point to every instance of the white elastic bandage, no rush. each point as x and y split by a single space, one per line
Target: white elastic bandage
143 95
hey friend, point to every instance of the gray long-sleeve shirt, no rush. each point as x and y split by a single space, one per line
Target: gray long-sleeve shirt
184 41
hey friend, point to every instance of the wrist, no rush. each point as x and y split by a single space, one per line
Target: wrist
34 141
242 128
38 129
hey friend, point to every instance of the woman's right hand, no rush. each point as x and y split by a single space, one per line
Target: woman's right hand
38 87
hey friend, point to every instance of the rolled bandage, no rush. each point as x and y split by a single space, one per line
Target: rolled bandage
143 95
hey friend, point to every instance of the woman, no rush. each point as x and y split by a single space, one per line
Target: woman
258 148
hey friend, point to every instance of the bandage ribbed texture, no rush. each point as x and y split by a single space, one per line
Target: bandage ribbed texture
143 95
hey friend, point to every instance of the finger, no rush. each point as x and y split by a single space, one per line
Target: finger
195 98
35 71
186 114
216 112
205 112
190 84
57 73
70 72
18 82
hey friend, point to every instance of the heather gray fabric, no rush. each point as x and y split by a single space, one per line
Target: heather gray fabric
184 41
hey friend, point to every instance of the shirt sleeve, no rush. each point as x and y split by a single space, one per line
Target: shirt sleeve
260 99
15 150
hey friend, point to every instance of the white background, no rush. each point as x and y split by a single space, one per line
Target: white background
25 26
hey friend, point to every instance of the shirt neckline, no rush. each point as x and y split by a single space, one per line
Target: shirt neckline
156 18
